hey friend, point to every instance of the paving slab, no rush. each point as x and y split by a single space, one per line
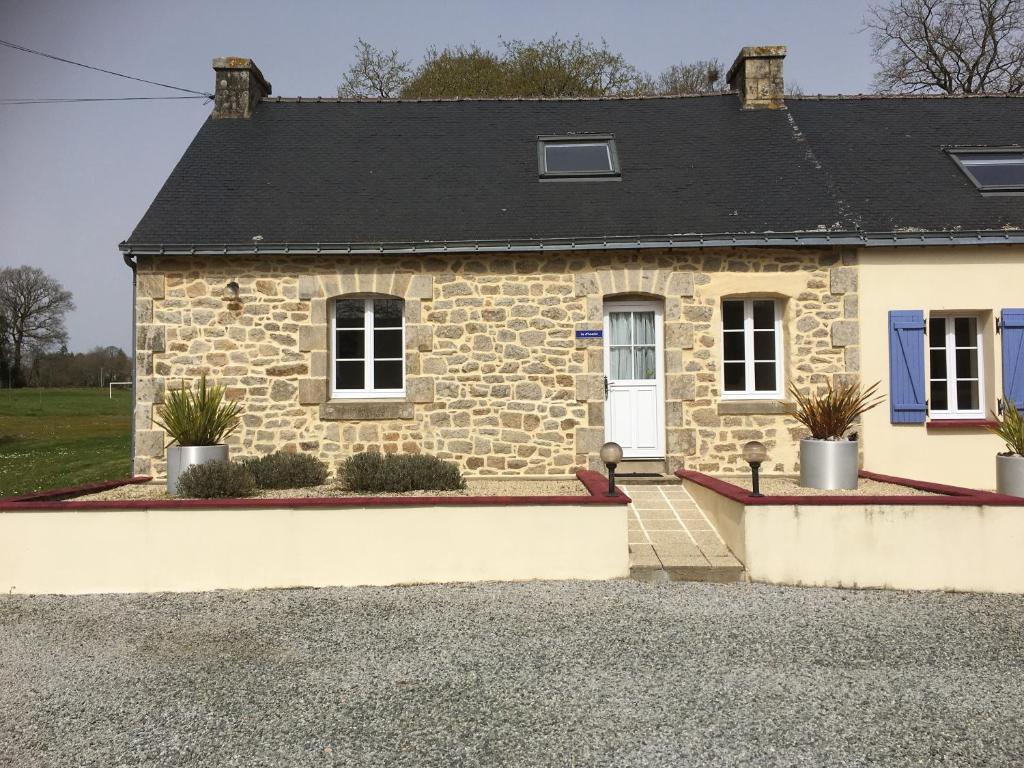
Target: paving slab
680 535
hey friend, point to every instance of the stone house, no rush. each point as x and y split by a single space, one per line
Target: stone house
510 283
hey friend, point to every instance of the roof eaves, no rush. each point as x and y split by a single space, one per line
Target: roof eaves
812 238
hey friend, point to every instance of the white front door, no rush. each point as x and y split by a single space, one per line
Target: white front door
635 381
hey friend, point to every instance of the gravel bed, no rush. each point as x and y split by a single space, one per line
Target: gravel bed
474 487
538 674
788 486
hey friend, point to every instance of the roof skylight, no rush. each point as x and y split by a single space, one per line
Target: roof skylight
992 169
587 156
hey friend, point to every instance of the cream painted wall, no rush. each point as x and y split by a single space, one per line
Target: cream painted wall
963 549
893 546
977 280
185 550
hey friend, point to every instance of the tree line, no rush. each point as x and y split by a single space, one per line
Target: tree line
555 67
919 46
34 337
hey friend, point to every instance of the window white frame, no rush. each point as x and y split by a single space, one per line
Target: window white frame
368 391
949 345
748 352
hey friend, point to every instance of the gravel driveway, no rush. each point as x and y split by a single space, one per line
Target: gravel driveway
584 674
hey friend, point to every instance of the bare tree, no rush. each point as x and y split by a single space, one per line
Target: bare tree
948 46
5 358
375 74
697 77
33 306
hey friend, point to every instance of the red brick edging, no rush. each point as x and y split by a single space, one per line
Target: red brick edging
57 499
60 494
951 495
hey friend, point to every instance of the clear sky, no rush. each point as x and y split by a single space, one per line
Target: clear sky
76 178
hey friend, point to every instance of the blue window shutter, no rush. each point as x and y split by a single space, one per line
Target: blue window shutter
906 367
1012 329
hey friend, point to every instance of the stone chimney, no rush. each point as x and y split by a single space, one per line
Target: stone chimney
238 87
756 76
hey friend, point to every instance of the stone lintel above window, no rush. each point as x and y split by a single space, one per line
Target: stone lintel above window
365 410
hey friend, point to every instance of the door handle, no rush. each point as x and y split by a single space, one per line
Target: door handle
605 387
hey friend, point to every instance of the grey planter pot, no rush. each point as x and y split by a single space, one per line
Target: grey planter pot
181 457
1010 475
828 464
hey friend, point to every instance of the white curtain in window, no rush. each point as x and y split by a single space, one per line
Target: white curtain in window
621 363
643 324
619 328
645 363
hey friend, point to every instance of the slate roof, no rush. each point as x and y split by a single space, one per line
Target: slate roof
453 171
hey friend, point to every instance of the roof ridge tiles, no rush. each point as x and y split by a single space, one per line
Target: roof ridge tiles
902 96
377 100
789 97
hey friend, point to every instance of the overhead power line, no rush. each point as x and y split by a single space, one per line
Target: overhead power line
9 102
17 47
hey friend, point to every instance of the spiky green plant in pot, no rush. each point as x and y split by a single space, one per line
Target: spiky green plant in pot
828 460
198 420
1010 465
829 414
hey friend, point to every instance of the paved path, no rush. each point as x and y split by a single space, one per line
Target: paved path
668 531
620 673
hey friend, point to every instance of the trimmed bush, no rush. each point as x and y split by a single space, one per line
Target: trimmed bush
216 480
286 470
398 473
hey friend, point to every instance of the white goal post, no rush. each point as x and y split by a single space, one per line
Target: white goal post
117 384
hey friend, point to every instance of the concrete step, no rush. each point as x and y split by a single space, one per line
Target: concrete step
642 467
713 575
649 480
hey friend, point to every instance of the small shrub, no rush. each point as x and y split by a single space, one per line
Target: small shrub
1011 427
397 473
286 470
216 480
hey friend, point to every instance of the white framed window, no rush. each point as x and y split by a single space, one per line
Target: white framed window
751 349
955 381
367 347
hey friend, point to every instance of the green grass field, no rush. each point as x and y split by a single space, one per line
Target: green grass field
52 438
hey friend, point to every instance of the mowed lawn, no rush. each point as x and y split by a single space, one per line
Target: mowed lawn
53 438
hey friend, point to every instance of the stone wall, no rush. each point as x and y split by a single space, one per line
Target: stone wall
495 378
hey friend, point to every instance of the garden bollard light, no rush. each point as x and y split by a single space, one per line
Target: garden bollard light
611 455
754 453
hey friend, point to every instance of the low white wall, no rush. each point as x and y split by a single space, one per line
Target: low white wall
971 549
195 549
898 546
725 514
